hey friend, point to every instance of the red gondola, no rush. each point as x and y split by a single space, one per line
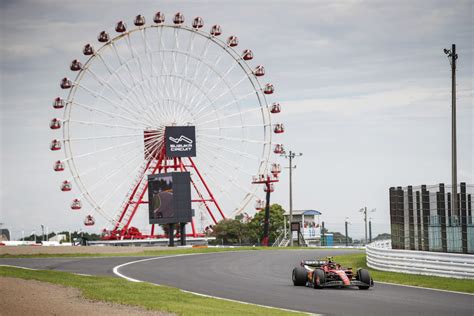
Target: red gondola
76 204
216 30
58 103
55 145
178 18
75 65
259 71
66 186
268 188
159 17
276 169
198 22
120 27
139 20
276 108
232 41
55 123
58 166
103 37
259 204
89 220
268 89
65 83
88 50
279 128
279 149
247 54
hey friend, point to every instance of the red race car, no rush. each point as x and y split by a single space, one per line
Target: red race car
327 273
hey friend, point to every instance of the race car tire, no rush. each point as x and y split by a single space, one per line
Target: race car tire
319 278
364 276
299 276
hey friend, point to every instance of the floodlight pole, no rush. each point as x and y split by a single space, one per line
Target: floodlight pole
453 132
452 56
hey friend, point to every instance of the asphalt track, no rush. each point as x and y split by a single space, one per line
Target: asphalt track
264 277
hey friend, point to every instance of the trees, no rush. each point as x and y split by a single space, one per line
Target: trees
244 230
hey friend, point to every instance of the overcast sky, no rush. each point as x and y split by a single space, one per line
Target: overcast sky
365 89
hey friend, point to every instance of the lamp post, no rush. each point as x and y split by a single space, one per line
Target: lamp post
291 155
370 229
452 56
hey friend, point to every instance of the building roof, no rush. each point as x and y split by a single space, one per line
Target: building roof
304 212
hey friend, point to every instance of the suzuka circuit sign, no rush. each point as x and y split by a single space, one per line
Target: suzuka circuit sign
180 141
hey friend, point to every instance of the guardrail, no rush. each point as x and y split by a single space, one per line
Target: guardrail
380 256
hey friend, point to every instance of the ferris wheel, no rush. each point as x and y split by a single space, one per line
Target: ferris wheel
139 80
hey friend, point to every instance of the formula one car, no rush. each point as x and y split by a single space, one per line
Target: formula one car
326 273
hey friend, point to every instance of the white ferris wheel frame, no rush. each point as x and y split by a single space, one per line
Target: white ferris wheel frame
211 39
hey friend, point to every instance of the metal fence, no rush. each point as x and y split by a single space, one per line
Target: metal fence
380 256
421 219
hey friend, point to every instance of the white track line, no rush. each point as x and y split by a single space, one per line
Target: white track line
424 288
11 266
115 270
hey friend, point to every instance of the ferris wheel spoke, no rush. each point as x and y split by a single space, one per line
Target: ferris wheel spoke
232 150
103 137
114 104
219 80
163 65
127 180
231 180
229 90
90 123
236 139
105 179
213 154
106 149
198 66
138 62
240 98
103 164
106 84
112 72
231 115
111 114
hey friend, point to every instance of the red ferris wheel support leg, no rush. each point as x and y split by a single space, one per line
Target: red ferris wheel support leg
132 195
140 201
207 188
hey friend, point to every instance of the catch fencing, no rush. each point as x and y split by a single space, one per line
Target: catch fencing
380 256
422 218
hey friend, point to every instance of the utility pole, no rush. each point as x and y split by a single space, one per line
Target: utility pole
42 230
347 237
364 210
290 157
452 56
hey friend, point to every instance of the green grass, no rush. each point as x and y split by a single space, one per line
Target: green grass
359 261
145 295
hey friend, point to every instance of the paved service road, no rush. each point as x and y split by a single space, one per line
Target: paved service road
264 277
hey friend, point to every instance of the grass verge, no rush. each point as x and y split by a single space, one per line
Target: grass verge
144 295
145 253
451 284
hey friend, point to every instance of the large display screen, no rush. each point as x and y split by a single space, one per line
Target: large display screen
169 196
180 141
